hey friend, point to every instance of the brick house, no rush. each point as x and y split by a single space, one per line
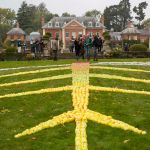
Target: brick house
131 33
16 34
67 27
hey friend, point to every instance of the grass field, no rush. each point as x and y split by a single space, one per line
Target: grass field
20 113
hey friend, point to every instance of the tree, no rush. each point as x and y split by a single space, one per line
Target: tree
125 12
41 11
25 16
66 14
139 11
29 16
92 13
117 16
112 18
7 21
146 23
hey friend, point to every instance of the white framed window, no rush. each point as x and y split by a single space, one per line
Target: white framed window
67 34
135 38
80 33
74 34
91 34
97 33
57 24
65 23
57 34
97 24
50 24
90 24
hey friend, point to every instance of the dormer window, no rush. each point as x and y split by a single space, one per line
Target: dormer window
90 24
65 23
97 24
57 24
49 24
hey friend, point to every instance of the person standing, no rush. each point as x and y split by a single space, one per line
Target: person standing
126 47
55 48
95 46
82 51
32 46
100 44
41 44
88 46
77 48
24 47
72 45
19 46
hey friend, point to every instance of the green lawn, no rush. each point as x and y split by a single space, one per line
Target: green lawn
6 64
28 111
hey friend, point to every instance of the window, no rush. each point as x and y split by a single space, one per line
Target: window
135 38
90 24
50 34
67 34
57 34
74 34
91 34
57 24
97 33
49 24
80 33
65 23
97 24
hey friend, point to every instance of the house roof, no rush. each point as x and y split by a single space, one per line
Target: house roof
82 20
35 33
35 36
131 30
116 36
67 24
16 31
145 32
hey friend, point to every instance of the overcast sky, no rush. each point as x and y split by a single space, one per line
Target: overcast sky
78 7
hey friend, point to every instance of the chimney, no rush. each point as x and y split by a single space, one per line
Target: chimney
102 19
42 21
130 24
18 26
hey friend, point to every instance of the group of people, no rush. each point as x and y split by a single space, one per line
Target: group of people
37 46
21 46
84 45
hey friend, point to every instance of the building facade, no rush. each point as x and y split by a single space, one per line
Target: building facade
67 28
131 33
16 34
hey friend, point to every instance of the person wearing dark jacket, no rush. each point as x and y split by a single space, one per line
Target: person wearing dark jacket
55 48
100 44
77 48
95 46
88 46
82 51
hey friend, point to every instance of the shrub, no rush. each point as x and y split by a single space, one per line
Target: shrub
11 50
30 56
107 37
138 47
131 42
11 53
6 44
